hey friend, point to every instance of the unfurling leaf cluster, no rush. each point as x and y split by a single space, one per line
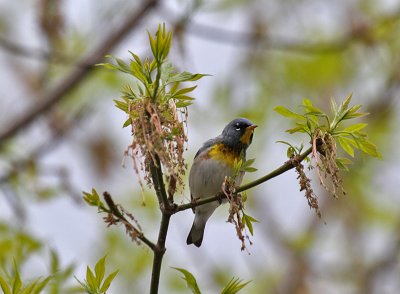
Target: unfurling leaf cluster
156 109
326 133
313 120
95 281
233 286
237 216
16 285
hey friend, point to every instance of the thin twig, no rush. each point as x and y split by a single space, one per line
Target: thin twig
113 209
280 170
78 74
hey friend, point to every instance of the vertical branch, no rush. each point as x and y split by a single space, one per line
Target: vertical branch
158 182
159 253
159 250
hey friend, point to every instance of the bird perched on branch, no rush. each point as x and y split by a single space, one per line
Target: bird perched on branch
213 162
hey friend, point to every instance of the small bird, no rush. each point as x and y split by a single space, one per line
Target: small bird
213 162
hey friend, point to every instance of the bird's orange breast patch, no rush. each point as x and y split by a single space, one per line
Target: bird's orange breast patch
223 153
246 137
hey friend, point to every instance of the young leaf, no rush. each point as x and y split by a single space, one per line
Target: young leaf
310 108
90 279
190 280
234 286
137 58
246 166
369 148
17 285
248 221
184 91
344 143
100 269
127 123
93 199
4 286
355 128
342 163
184 77
40 285
298 129
288 113
107 281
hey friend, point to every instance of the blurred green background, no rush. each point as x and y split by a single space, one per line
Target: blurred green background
260 54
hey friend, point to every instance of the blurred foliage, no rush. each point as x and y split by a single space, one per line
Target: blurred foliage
262 54
96 282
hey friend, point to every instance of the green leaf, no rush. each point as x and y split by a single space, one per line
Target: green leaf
28 289
288 113
369 148
127 123
54 263
310 108
345 144
355 128
184 91
298 129
108 280
122 105
250 169
152 42
184 98
246 166
4 286
90 279
122 65
137 71
346 102
248 221
100 270
137 58
40 285
334 106
17 284
93 199
342 163
234 286
84 286
185 77
249 162
181 104
190 280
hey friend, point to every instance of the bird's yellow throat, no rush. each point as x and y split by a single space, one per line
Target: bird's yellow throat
223 153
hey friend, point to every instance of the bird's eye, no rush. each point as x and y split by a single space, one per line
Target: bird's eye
238 129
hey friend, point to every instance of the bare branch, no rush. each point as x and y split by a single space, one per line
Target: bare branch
115 215
78 74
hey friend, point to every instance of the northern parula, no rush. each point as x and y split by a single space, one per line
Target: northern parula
213 162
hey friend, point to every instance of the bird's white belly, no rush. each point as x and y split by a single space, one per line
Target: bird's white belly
207 176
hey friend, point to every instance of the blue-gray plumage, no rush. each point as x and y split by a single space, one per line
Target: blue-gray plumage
213 162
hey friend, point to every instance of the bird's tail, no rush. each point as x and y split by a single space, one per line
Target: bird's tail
196 234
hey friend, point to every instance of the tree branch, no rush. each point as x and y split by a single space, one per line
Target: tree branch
280 170
134 232
159 253
158 182
166 212
78 74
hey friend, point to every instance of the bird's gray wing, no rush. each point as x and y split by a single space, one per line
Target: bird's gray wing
205 146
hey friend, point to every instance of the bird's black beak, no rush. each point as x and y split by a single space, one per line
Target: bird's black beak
250 128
